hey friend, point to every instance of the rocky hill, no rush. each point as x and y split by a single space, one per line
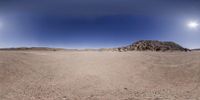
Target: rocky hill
153 45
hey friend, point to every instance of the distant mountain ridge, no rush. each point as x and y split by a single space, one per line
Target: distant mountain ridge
142 45
153 45
33 48
196 49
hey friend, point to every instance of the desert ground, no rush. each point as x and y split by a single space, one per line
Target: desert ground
99 75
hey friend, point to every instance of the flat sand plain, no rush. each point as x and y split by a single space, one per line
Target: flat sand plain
95 75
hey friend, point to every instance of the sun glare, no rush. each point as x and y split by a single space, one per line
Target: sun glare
193 24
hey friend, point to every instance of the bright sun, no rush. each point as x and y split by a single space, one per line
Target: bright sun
193 24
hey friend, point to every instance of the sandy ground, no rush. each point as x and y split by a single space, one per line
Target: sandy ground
93 75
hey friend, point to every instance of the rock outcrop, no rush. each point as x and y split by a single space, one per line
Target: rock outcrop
153 45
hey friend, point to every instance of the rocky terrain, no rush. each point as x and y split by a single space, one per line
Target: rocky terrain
153 45
95 75
40 73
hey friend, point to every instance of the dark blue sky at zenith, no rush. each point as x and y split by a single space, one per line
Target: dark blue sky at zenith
97 23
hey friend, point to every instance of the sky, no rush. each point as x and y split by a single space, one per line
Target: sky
97 23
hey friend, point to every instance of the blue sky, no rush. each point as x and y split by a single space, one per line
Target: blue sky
97 23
